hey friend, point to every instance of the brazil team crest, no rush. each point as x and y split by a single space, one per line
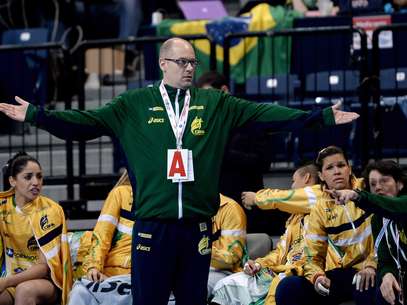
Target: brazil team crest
196 127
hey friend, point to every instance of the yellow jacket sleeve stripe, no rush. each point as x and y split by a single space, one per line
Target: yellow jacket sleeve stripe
316 237
124 229
355 239
241 233
53 252
312 197
108 218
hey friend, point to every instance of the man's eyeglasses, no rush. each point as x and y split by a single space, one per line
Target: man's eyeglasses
183 62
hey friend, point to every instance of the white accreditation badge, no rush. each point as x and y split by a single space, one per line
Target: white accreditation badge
180 166
191 176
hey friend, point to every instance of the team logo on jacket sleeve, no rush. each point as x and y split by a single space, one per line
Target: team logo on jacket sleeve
204 246
44 224
196 127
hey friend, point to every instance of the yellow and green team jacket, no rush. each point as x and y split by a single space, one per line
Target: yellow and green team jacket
288 257
39 226
110 252
329 221
229 231
294 201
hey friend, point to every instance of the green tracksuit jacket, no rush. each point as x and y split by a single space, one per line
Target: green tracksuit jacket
395 209
138 119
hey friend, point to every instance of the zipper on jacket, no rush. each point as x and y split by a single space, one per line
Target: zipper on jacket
179 183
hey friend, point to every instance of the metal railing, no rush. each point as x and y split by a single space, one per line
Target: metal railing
388 83
24 72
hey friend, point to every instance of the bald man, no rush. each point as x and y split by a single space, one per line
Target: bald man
173 136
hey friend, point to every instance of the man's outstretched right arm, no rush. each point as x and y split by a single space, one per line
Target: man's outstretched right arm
69 125
15 112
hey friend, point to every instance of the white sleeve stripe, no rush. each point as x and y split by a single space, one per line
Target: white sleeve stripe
356 239
51 253
316 237
312 198
233 233
283 243
124 229
108 218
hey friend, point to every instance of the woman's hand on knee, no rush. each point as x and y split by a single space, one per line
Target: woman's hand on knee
251 267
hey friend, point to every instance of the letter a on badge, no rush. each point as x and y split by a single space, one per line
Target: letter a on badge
177 164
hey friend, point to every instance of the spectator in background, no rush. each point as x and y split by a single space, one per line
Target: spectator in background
388 186
35 255
392 6
315 7
129 15
247 5
214 80
401 5
303 6
246 159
